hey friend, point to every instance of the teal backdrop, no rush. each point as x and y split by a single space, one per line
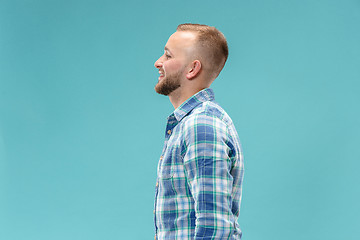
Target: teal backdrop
81 127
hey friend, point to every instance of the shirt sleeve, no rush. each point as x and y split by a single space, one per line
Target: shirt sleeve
208 163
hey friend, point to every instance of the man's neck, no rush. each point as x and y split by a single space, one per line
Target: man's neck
179 96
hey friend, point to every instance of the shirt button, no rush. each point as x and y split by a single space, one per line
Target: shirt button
157 184
155 237
161 158
169 131
154 211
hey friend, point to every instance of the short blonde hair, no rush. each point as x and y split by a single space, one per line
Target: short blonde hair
212 45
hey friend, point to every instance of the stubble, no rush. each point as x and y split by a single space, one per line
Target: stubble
168 84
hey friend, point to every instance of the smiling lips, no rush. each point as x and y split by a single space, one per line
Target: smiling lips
161 74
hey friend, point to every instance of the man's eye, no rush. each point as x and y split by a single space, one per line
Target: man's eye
167 56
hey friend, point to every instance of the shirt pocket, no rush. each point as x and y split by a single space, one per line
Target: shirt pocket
166 170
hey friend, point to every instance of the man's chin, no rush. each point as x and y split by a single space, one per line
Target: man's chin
159 89
166 85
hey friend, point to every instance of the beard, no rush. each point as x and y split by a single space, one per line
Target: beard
168 84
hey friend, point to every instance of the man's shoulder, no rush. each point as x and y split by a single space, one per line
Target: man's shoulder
209 113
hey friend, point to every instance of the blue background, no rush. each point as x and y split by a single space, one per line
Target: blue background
81 128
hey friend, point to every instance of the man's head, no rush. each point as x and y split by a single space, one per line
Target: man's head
211 47
193 52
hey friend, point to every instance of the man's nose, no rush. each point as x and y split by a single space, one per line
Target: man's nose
158 63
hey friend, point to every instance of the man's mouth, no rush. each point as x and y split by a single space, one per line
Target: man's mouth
162 74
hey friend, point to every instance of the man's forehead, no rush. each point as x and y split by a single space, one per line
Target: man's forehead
189 35
181 39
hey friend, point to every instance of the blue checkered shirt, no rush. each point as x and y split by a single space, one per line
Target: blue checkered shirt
200 173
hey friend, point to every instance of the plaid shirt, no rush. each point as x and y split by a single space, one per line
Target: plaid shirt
200 172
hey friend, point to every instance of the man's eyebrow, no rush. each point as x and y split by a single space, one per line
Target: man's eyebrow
166 49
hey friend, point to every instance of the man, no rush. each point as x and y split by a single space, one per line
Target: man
200 171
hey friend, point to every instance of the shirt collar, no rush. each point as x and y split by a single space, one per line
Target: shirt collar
204 95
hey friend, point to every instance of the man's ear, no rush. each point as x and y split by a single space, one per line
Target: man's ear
194 70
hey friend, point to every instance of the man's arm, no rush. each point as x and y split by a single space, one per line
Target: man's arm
208 165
